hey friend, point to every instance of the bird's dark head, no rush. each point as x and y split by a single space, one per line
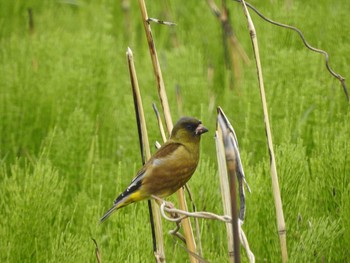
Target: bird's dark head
188 128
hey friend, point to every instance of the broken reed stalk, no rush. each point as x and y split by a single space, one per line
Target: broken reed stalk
31 26
156 66
155 216
228 155
97 252
179 100
188 232
232 48
198 234
175 233
231 169
31 21
225 191
276 190
159 120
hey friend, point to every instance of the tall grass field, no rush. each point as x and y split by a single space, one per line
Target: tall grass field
68 135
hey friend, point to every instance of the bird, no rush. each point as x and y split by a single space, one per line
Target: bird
170 167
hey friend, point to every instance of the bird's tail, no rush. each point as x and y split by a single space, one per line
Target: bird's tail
122 200
108 213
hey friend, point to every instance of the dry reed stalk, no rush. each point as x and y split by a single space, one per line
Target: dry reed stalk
156 66
229 157
198 234
307 45
31 26
125 5
276 190
231 169
31 21
190 242
232 48
179 100
159 120
97 252
155 216
225 191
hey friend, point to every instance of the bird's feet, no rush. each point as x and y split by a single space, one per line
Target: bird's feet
167 207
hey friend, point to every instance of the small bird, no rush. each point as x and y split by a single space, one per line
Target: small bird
171 166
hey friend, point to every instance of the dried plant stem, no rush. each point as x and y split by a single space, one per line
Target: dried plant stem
179 100
159 120
190 242
125 5
232 48
156 66
231 168
276 191
155 217
225 191
31 21
97 252
229 162
324 53
228 29
199 246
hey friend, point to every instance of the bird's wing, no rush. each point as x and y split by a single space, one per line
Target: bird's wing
162 154
165 151
132 193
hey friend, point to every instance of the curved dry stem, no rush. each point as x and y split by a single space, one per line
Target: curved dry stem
324 53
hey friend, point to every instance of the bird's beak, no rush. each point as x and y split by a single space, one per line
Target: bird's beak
201 129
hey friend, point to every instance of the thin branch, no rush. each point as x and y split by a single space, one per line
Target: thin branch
324 53
160 22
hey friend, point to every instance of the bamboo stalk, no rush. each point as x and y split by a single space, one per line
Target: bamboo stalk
155 216
276 190
188 232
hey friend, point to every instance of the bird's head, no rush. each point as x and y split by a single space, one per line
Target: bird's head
188 129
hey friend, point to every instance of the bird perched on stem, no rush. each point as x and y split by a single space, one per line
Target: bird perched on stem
168 169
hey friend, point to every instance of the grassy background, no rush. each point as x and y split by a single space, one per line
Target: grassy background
69 143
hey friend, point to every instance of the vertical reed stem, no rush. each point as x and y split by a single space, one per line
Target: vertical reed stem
276 190
155 216
186 223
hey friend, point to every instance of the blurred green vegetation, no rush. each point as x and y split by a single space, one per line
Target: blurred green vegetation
69 144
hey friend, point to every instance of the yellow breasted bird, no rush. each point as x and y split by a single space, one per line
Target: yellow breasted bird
168 169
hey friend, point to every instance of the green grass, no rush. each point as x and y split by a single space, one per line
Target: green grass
69 142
